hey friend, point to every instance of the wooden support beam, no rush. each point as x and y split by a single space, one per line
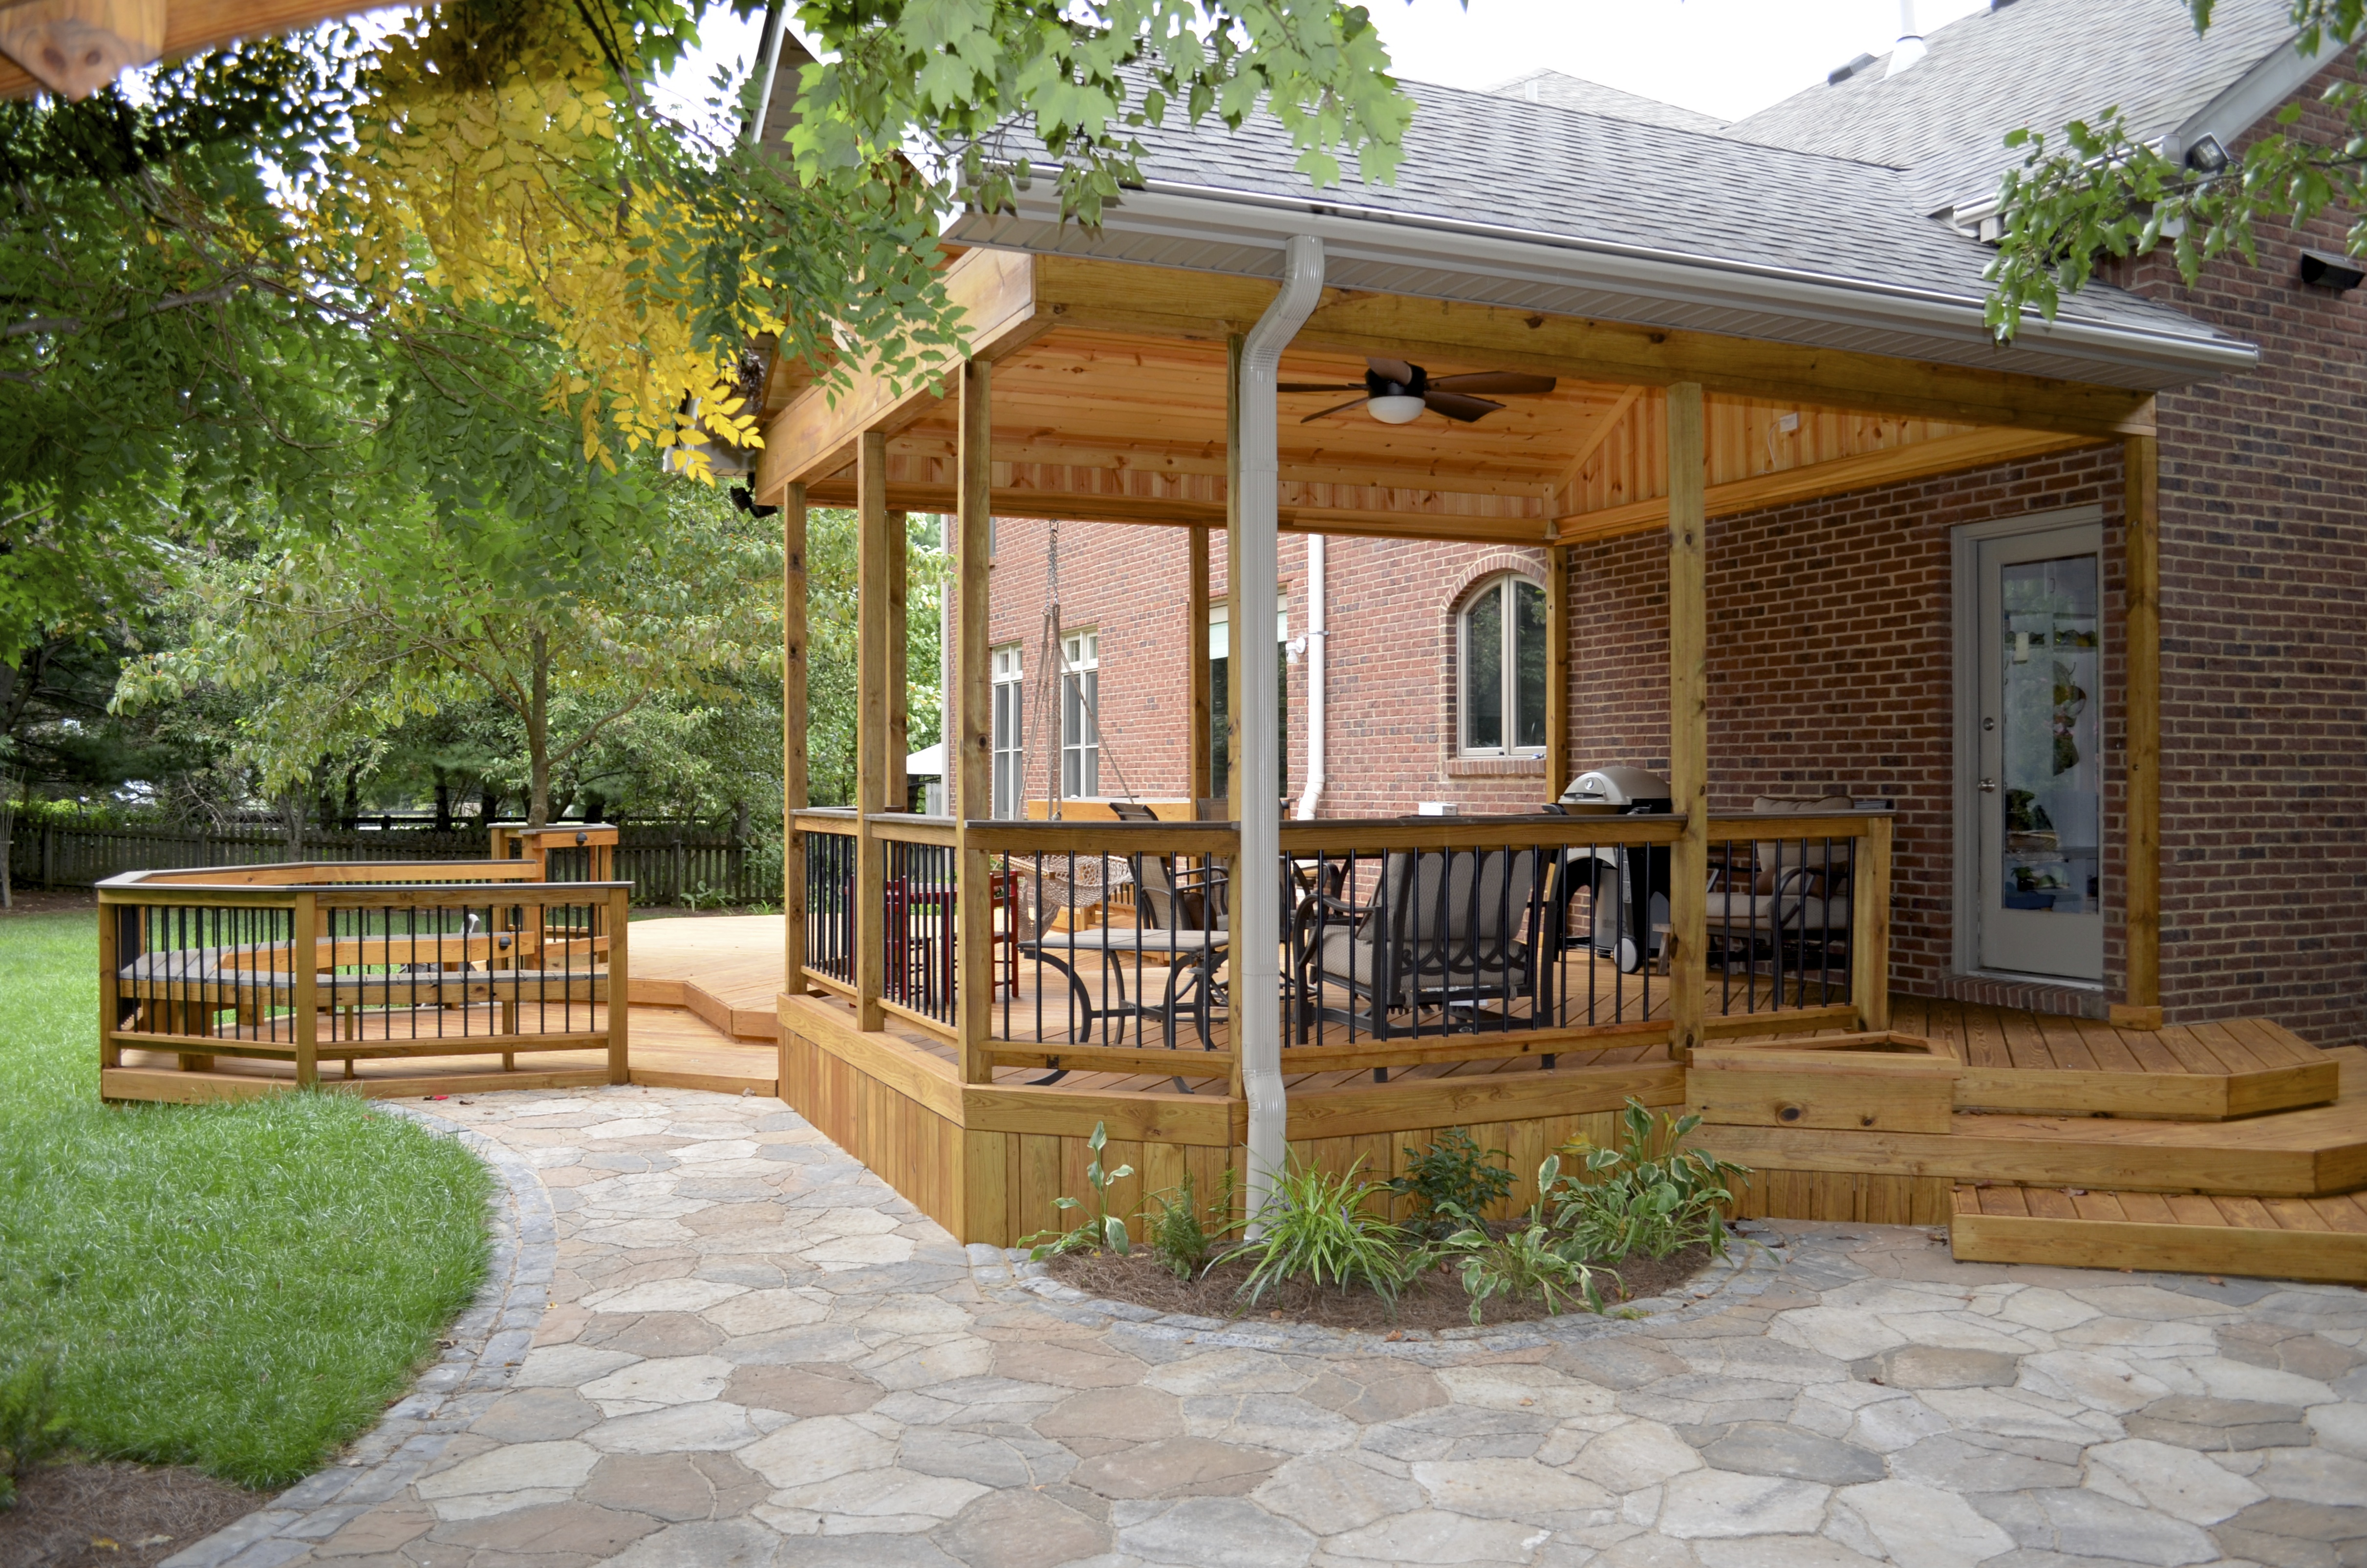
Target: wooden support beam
1558 659
76 46
2140 1006
1233 579
969 726
1870 928
304 926
871 667
1196 654
1688 719
1233 342
1891 465
796 763
1171 302
620 985
898 790
817 435
1588 443
192 26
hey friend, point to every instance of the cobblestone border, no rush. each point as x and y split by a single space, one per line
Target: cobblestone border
482 1350
1742 1275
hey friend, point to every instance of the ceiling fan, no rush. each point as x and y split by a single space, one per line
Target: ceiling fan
1395 391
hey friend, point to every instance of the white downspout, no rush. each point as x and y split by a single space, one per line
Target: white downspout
1257 897
1318 643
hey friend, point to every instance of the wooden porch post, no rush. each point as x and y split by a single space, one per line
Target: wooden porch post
1688 721
1195 645
897 792
2141 765
1233 622
796 769
1233 586
872 602
969 726
1557 672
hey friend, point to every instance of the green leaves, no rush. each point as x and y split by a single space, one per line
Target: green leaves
1453 1182
952 85
2095 190
1322 1228
1102 1230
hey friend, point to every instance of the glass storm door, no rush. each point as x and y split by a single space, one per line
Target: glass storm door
2039 791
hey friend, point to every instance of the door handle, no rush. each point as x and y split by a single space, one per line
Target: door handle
1989 787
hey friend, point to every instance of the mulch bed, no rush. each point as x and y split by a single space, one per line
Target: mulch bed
1436 1300
83 1515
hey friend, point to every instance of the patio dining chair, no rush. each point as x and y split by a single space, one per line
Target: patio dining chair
1464 934
1786 904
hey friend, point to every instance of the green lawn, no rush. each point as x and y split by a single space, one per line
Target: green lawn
239 1287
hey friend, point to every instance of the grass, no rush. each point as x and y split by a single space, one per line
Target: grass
238 1287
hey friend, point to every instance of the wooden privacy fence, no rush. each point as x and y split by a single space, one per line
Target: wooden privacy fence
1404 941
664 863
352 963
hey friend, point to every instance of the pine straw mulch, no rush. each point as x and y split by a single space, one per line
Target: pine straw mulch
1435 1300
80 1515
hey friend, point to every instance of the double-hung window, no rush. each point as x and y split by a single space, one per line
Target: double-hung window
1008 783
1501 636
1081 735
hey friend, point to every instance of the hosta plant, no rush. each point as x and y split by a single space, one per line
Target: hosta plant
1649 1194
1099 1230
1527 1261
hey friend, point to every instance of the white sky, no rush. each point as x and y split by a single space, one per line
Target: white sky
1723 57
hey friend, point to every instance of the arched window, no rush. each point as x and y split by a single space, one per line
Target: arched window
1500 638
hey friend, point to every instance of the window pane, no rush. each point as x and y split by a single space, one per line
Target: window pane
1221 740
1529 650
2051 739
1483 671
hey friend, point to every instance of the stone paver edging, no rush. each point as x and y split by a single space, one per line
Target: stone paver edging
757 1356
482 1347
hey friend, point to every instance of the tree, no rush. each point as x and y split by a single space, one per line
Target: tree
336 644
2098 191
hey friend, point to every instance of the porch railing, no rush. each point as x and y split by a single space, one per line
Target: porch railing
1404 941
360 962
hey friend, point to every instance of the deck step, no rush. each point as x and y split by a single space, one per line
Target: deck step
2282 1239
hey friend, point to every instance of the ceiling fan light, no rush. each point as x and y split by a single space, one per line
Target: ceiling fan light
1401 409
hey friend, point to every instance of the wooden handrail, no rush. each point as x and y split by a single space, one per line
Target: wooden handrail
907 829
1788 826
319 873
1007 838
1337 835
443 896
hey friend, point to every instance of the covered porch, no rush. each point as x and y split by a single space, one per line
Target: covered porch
966 1000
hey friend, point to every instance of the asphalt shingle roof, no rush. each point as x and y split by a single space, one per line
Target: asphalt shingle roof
1483 159
2039 63
1564 90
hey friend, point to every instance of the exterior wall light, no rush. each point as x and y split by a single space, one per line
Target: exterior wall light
2326 270
2206 156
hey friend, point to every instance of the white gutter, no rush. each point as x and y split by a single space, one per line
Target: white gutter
1257 897
1239 231
1318 642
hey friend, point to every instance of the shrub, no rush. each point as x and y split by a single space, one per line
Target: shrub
1527 1260
1316 1227
1103 1229
1452 1183
1647 1195
1183 1235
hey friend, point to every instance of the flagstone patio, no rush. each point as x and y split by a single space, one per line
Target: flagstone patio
755 1353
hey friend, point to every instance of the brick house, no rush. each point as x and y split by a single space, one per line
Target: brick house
1847 633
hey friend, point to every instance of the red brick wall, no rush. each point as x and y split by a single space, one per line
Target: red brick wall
1390 606
2264 646
1832 663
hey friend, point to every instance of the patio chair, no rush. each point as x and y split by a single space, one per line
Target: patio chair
1180 924
1788 906
1460 933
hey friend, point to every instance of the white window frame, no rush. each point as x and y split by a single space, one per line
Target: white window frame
1506 585
1006 666
1080 738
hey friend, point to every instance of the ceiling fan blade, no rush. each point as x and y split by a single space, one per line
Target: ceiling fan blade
1351 403
1510 382
1319 387
1396 371
1455 405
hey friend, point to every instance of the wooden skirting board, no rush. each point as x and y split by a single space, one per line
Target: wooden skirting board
175 1087
2313 1238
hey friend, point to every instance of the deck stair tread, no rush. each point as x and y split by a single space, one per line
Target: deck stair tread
2303 1238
